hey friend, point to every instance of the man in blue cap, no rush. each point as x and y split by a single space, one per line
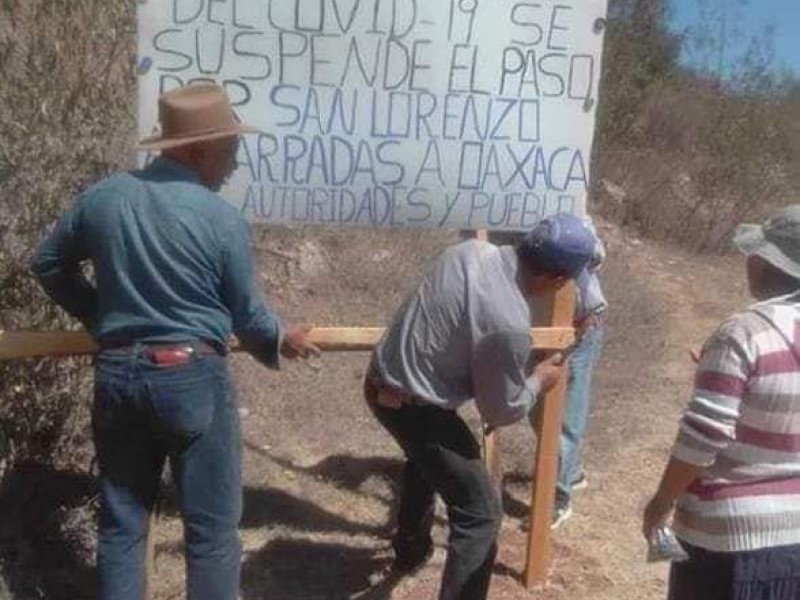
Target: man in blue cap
464 333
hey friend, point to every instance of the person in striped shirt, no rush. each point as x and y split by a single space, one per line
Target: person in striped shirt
733 479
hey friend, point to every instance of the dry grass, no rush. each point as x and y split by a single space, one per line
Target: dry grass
703 161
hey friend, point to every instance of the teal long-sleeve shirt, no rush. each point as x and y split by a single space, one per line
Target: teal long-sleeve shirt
172 263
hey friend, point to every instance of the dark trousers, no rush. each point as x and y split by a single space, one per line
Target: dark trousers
144 414
442 456
766 574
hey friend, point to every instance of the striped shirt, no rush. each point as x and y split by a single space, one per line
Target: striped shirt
743 427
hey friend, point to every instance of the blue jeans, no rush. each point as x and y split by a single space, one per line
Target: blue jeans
576 409
143 414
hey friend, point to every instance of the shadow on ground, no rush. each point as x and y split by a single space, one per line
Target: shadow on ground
46 545
287 569
272 507
46 553
346 471
513 507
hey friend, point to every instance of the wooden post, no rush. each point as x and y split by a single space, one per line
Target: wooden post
492 456
548 432
491 437
150 557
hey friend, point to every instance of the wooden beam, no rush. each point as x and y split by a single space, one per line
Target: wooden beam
150 558
492 457
32 344
548 433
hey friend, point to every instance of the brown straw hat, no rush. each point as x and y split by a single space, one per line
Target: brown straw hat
194 114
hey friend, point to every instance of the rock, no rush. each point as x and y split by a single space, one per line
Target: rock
613 193
381 255
311 260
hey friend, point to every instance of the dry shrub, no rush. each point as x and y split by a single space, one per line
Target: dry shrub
66 119
705 161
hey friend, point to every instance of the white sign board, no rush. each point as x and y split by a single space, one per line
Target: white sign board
424 113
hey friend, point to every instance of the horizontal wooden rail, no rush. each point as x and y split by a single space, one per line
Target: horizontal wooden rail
31 344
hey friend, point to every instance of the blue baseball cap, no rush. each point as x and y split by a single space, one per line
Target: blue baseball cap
560 245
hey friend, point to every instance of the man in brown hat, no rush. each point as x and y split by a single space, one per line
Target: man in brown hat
174 279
